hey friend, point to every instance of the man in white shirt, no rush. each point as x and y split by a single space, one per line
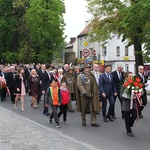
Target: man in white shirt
96 73
140 75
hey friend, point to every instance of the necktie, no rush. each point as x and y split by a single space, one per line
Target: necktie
108 75
143 79
120 76
14 76
97 77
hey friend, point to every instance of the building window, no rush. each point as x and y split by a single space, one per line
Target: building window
118 51
91 51
126 50
104 51
126 67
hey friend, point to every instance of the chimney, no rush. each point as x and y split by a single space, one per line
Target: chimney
72 39
86 23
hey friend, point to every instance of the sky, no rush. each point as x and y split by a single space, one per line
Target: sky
75 17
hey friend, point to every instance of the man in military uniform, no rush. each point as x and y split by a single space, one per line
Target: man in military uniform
70 80
87 85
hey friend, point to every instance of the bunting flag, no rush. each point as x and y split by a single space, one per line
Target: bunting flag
69 65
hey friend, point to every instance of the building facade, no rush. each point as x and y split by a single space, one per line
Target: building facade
114 52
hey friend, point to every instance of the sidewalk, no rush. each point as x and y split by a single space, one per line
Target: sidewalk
19 133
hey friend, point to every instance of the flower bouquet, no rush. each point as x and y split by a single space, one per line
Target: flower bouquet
133 91
2 82
133 85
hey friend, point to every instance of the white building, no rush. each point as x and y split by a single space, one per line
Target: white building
72 46
114 52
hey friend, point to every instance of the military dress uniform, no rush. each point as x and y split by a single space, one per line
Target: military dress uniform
70 82
88 96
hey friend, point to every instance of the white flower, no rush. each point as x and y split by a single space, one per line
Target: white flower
132 87
128 86
136 91
140 90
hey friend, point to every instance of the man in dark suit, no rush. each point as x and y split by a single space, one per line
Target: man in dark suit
46 81
27 74
108 91
118 76
40 70
140 75
11 83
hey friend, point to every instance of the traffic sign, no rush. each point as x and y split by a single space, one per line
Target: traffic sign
85 53
87 61
94 57
94 52
85 43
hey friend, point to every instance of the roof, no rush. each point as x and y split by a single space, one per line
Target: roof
85 31
72 41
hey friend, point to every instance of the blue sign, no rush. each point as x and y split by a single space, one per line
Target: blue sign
86 61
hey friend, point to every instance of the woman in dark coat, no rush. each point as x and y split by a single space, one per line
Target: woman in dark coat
129 114
34 86
20 88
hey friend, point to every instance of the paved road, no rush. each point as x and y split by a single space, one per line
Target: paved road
109 136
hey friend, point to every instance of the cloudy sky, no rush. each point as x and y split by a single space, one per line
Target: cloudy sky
75 17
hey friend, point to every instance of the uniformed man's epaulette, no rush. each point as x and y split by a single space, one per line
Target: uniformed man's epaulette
91 73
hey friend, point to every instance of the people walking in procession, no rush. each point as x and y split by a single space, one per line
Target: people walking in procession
53 98
140 75
88 102
108 91
34 84
130 115
118 76
64 102
46 81
20 88
70 80
11 83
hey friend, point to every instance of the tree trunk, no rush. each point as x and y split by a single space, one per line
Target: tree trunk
138 52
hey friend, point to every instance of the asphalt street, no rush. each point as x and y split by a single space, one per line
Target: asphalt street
109 136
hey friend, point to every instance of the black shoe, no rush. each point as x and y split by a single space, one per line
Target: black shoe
123 117
114 117
130 134
72 111
84 124
110 118
50 121
141 116
47 114
2 100
95 125
98 113
105 120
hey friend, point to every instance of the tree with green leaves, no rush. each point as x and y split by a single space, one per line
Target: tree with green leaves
7 27
30 30
45 22
129 18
